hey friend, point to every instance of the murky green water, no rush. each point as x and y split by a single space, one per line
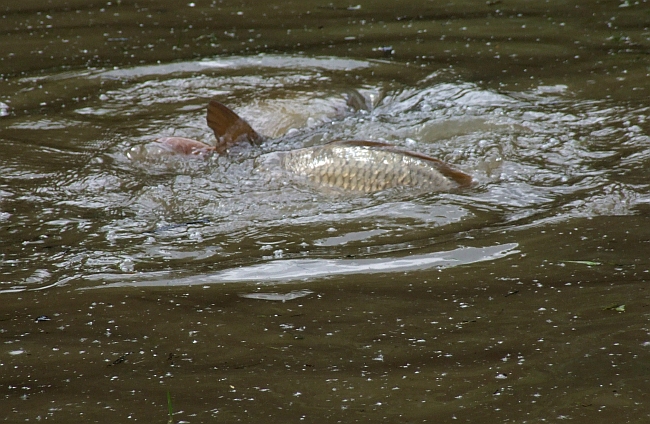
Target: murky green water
247 296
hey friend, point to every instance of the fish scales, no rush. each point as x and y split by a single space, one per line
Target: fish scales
364 169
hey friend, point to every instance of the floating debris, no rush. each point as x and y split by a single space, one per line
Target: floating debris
616 307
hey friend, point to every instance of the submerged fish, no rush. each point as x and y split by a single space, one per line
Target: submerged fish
355 166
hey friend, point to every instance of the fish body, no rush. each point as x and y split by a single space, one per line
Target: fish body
354 166
367 167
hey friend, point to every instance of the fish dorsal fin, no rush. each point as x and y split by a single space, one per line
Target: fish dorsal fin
460 178
228 127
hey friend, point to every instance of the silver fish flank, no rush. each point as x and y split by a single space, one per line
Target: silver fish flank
368 167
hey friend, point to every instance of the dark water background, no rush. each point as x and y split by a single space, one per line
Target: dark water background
127 276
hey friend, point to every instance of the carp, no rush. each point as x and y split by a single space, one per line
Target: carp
347 165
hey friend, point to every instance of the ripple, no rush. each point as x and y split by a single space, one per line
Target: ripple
109 206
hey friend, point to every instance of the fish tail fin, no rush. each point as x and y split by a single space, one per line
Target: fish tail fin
229 128
461 178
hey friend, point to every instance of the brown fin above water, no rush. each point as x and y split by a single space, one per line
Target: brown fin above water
460 178
229 128
185 146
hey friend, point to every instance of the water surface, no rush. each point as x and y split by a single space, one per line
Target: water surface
249 295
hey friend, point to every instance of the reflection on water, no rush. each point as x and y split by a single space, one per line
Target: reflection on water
307 269
116 209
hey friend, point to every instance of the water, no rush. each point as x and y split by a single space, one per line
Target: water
111 209
126 274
